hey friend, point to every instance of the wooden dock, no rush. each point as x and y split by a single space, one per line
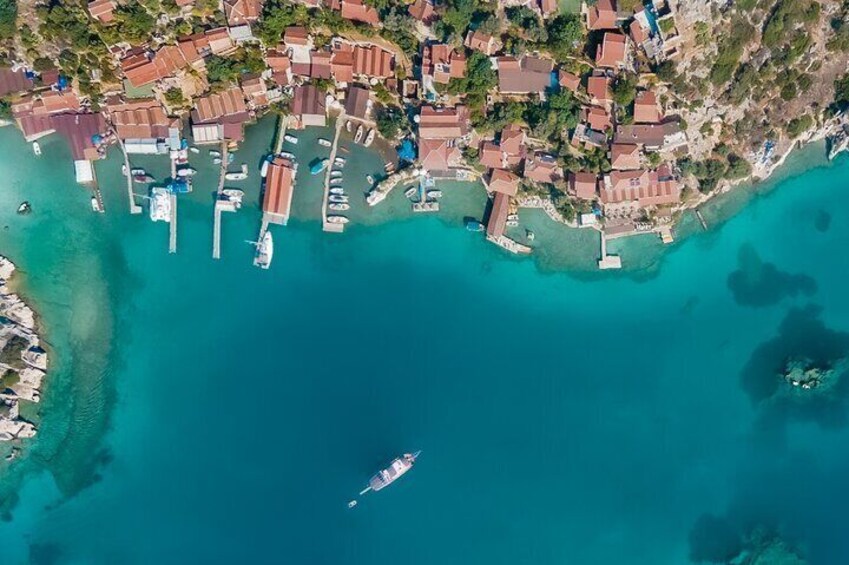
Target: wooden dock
701 219
218 208
172 239
327 226
281 132
134 208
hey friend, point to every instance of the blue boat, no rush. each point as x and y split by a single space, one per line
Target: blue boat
318 165
474 225
179 186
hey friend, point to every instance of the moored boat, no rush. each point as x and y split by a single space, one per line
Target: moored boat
36 148
474 225
194 149
264 251
144 178
287 155
236 175
263 169
395 470
434 194
370 137
511 223
337 190
95 205
24 208
336 180
160 204
214 153
359 135
216 161
338 206
234 195
410 192
291 139
338 198
137 171
337 219
349 126
335 174
324 142
370 179
318 166
186 172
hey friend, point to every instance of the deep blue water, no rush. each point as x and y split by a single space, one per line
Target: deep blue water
562 420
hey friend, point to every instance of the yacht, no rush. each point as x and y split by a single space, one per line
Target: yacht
512 217
511 223
396 469
263 169
24 208
241 175
186 172
137 171
160 204
264 251
216 161
234 195
287 155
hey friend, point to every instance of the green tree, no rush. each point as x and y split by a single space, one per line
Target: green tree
479 80
135 23
390 121
174 97
565 34
8 16
624 89
277 15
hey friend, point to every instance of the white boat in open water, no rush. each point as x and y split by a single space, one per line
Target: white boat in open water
264 251
396 469
36 148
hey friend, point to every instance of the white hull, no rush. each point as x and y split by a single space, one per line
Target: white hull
264 251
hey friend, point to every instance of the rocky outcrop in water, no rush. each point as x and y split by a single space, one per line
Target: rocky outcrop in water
23 363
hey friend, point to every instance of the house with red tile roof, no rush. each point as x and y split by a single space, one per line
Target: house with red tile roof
220 42
423 11
652 137
220 116
102 10
543 168
503 181
439 154
281 68
598 89
13 82
358 103
357 11
483 42
320 65
602 15
568 81
441 62
309 107
613 51
497 221
140 119
373 62
278 191
598 118
583 185
640 188
625 156
443 123
646 108
342 62
255 90
638 33
530 75
507 153
242 12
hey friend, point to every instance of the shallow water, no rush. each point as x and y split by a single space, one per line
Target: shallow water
226 414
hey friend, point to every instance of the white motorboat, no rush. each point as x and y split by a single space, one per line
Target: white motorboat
339 160
95 205
336 180
186 172
335 174
337 219
370 137
160 204
194 149
512 217
410 192
434 194
291 139
36 148
359 135
338 206
234 195
263 170
348 126
137 171
287 155
264 251
511 223
337 190
216 161
338 199
324 142
24 208
370 179
241 175
214 153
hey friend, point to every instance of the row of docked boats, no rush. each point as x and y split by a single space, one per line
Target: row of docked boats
361 131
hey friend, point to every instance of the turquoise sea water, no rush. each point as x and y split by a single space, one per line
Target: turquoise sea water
209 412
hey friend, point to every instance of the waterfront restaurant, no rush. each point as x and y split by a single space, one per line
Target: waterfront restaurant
279 187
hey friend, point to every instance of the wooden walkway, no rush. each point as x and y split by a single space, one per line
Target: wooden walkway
172 240
327 226
281 132
216 223
134 208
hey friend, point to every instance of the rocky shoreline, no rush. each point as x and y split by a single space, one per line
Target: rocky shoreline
23 362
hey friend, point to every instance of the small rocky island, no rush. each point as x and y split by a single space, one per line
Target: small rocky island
23 363
806 374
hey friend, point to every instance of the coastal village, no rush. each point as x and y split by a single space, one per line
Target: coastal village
571 112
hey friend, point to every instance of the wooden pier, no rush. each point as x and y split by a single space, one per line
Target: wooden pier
134 208
281 133
216 224
701 219
172 239
327 226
